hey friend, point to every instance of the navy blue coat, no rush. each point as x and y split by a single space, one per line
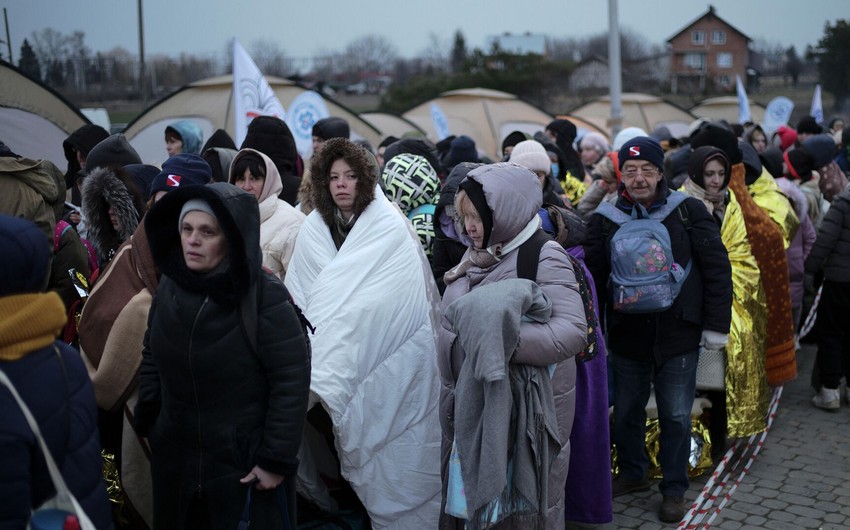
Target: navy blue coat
61 398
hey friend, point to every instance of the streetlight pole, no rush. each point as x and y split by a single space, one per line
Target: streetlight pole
142 76
8 39
615 122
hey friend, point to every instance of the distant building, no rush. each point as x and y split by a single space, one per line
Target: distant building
644 74
708 51
519 44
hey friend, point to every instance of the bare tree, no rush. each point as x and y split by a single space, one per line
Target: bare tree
370 53
270 58
435 53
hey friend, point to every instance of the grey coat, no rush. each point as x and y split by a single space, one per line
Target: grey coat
514 197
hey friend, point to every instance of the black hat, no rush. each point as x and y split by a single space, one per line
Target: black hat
807 124
800 164
181 170
514 138
332 127
718 136
822 148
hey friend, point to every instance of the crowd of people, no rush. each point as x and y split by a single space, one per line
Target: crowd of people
413 335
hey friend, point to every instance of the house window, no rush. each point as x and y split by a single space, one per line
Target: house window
695 60
724 60
724 81
718 36
698 37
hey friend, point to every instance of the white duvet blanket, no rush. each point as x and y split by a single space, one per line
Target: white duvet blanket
374 359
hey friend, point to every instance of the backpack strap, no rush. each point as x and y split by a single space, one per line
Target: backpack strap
61 228
528 257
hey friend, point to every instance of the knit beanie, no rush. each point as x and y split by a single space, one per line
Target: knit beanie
112 152
194 205
410 181
800 164
596 141
625 135
462 150
513 139
181 170
718 136
475 191
331 127
807 124
642 148
26 250
787 137
531 154
822 148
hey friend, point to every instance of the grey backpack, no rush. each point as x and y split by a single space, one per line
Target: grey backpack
644 276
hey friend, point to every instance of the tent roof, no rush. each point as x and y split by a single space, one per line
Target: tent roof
39 116
639 110
487 116
726 108
208 102
391 124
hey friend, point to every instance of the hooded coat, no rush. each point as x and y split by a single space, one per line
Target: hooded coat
272 137
212 407
103 189
513 195
190 134
51 380
82 140
27 190
279 221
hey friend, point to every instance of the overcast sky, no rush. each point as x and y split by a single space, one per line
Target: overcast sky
306 27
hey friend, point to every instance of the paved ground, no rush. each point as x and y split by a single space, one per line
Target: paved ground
799 479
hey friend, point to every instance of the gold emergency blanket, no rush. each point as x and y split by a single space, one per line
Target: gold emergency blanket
768 246
747 394
766 193
699 457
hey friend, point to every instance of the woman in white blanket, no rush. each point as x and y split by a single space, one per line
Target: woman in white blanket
360 276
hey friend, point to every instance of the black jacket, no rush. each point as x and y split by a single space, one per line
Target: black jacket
831 251
61 398
212 408
705 301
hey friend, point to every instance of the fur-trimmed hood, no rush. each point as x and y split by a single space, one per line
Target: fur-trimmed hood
104 189
238 214
361 161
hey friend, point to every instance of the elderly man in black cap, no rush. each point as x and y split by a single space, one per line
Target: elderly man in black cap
659 345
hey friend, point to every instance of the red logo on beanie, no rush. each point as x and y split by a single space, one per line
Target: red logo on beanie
172 181
634 150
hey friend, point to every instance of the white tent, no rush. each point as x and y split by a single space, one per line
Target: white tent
208 103
35 120
726 108
639 110
392 125
487 116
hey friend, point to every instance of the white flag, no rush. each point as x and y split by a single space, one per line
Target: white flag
817 106
252 95
305 110
743 102
441 123
777 113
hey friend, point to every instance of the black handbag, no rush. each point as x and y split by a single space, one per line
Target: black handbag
280 499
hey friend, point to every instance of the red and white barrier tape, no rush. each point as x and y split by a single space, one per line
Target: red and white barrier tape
812 316
703 503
